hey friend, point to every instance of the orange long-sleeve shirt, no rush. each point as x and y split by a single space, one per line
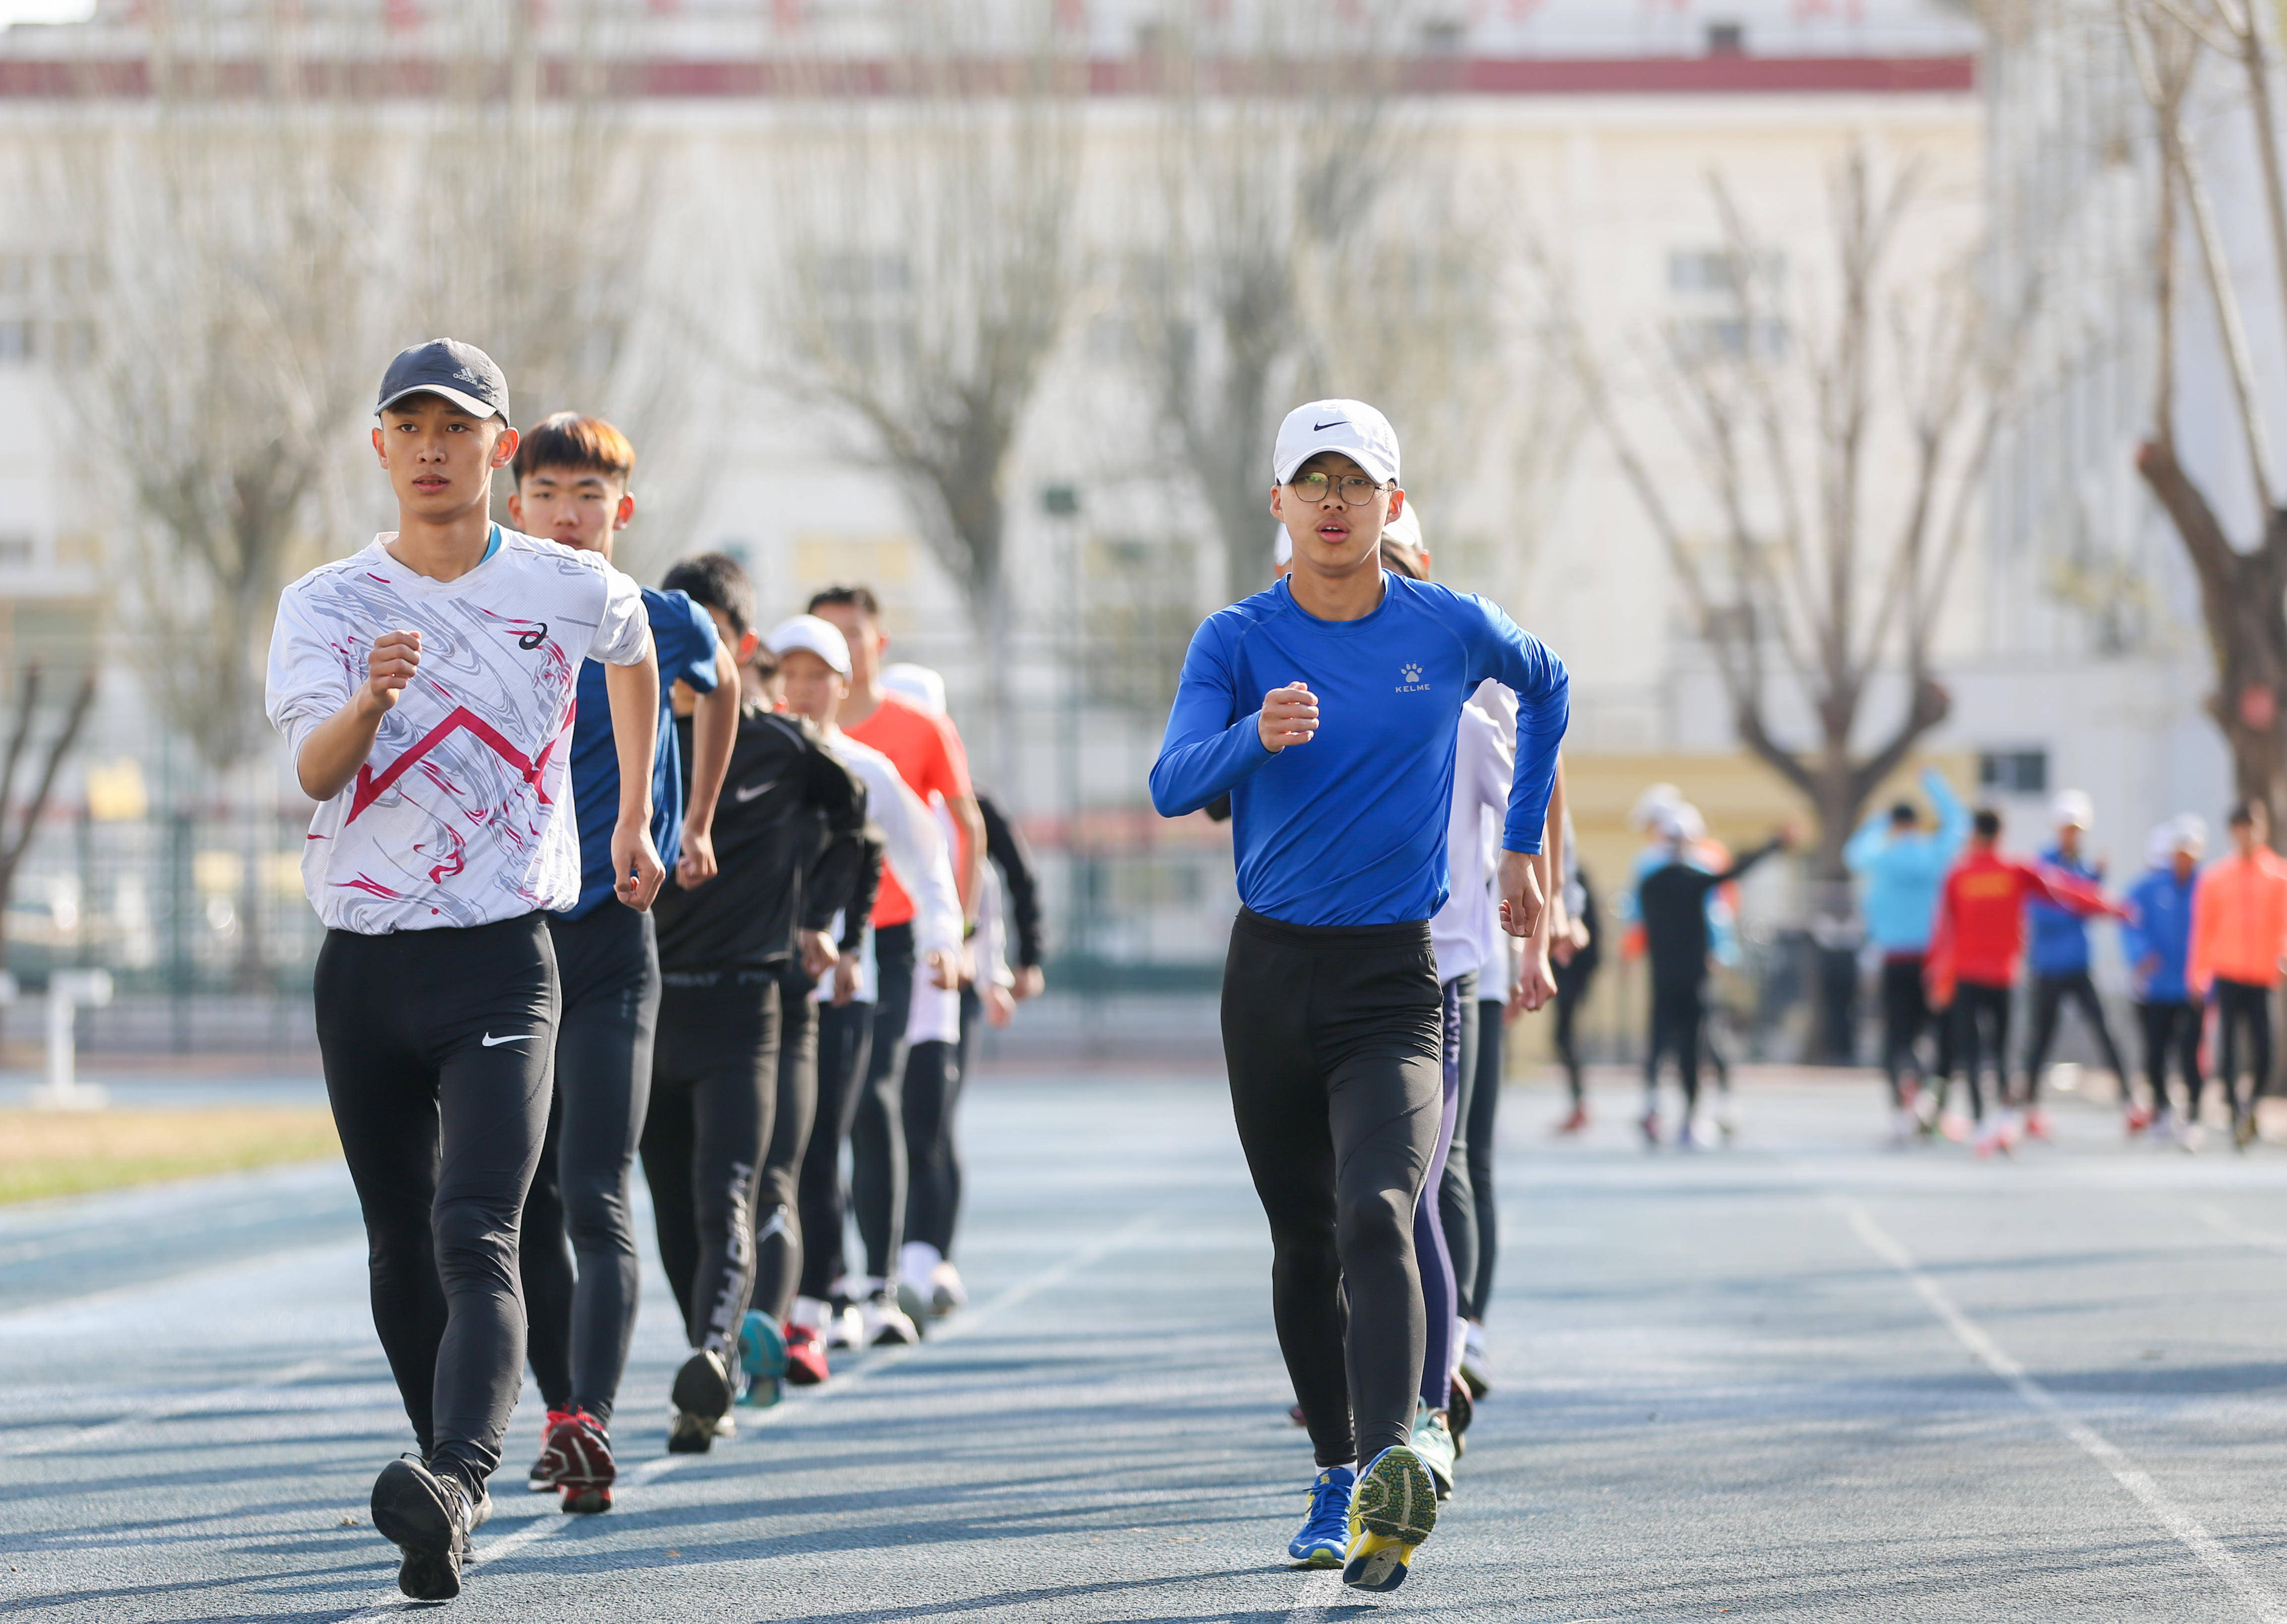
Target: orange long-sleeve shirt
2239 921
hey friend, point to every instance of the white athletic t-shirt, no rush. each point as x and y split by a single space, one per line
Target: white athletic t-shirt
462 815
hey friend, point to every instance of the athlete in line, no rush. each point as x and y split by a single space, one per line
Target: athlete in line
2058 955
1973 962
927 752
2239 939
572 475
1576 956
1332 1025
725 951
814 667
425 686
2156 940
1900 868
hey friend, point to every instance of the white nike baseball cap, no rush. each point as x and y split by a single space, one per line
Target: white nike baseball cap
2073 809
820 636
1350 427
1282 550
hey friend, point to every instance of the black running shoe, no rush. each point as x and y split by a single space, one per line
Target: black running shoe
429 1515
702 1395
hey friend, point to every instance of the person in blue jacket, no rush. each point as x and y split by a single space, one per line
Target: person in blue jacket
2057 953
1901 865
2156 941
1328 707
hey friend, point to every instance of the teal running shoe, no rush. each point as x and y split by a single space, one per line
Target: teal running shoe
1325 1537
761 1359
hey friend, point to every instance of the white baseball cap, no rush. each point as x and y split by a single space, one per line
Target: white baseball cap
2073 809
1282 550
924 687
1406 530
820 637
1350 427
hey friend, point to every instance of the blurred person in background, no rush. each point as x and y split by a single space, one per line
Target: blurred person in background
1671 899
2156 940
2058 957
795 851
572 475
1973 965
814 665
1900 867
2239 932
1658 804
1575 956
928 754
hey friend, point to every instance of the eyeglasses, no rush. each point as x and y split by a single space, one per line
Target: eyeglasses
1357 489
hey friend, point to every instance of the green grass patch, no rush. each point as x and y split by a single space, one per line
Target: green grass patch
69 1153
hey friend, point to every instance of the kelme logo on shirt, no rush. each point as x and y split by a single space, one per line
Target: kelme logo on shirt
1413 682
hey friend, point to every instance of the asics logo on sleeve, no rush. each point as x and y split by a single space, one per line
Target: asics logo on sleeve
513 1037
1410 681
534 638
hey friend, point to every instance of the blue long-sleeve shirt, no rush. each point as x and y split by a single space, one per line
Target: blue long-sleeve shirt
2057 938
2160 923
1349 828
1902 872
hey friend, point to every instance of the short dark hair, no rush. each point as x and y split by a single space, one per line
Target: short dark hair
1904 813
765 663
860 598
2243 812
1398 556
1988 823
716 580
584 445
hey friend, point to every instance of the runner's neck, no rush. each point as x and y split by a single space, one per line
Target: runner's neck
859 706
442 552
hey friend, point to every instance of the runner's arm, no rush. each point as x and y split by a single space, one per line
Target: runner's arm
332 752
632 691
1209 745
1018 880
1522 664
714 731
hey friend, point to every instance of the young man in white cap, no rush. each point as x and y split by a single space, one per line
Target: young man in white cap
2057 954
814 674
424 686
1332 1018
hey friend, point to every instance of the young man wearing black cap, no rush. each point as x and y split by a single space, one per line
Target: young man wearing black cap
424 686
572 488
1333 1013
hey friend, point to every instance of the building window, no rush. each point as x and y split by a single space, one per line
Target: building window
1727 39
1702 271
2014 772
15 552
15 343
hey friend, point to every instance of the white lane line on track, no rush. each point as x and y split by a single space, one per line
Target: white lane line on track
2179 1523
188 1404
541 1526
2216 1217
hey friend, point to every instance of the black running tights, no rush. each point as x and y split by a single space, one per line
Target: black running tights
845 1038
582 1319
714 1086
2171 1032
1335 1041
1981 1032
878 1132
2241 1006
1679 1015
436 1046
1485 1114
932 1157
2051 994
777 1218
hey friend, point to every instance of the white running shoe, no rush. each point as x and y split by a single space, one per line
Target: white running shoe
1903 1125
917 1260
845 1328
946 1289
883 1324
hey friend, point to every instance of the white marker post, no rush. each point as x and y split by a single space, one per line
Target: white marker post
67 989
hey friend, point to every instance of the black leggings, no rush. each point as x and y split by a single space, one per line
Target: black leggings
2172 1030
845 1037
2051 994
1679 1018
1335 1041
1433 1253
436 1046
1457 1199
777 1220
932 1159
607 963
1485 1111
1906 1016
1572 982
878 1132
2242 1005
714 1084
1981 1029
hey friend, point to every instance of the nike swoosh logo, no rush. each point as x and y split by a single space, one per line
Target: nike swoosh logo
746 793
514 1037
1322 428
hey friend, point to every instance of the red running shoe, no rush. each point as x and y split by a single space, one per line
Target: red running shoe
2036 1126
587 1471
1573 1123
805 1355
2140 1117
551 1462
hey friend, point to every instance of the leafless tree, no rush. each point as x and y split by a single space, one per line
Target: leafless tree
20 751
1808 575
2242 590
927 275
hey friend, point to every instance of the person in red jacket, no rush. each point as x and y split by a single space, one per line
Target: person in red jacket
1973 959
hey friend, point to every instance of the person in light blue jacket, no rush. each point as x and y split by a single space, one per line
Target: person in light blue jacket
2156 940
1901 866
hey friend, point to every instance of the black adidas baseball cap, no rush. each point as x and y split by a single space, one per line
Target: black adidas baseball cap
460 373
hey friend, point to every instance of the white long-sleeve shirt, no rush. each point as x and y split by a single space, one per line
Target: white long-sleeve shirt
914 849
1482 765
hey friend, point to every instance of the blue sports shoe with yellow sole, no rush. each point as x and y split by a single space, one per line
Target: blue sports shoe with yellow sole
1392 1511
1325 1537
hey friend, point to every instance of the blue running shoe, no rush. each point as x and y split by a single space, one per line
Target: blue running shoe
1392 1511
1326 1536
762 1358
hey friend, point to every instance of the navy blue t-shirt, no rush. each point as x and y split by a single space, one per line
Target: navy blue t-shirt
1350 829
684 634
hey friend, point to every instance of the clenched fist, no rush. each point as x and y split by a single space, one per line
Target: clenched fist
1289 716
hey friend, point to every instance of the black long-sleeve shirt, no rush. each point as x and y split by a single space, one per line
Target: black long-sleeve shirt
1673 903
790 830
1007 850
